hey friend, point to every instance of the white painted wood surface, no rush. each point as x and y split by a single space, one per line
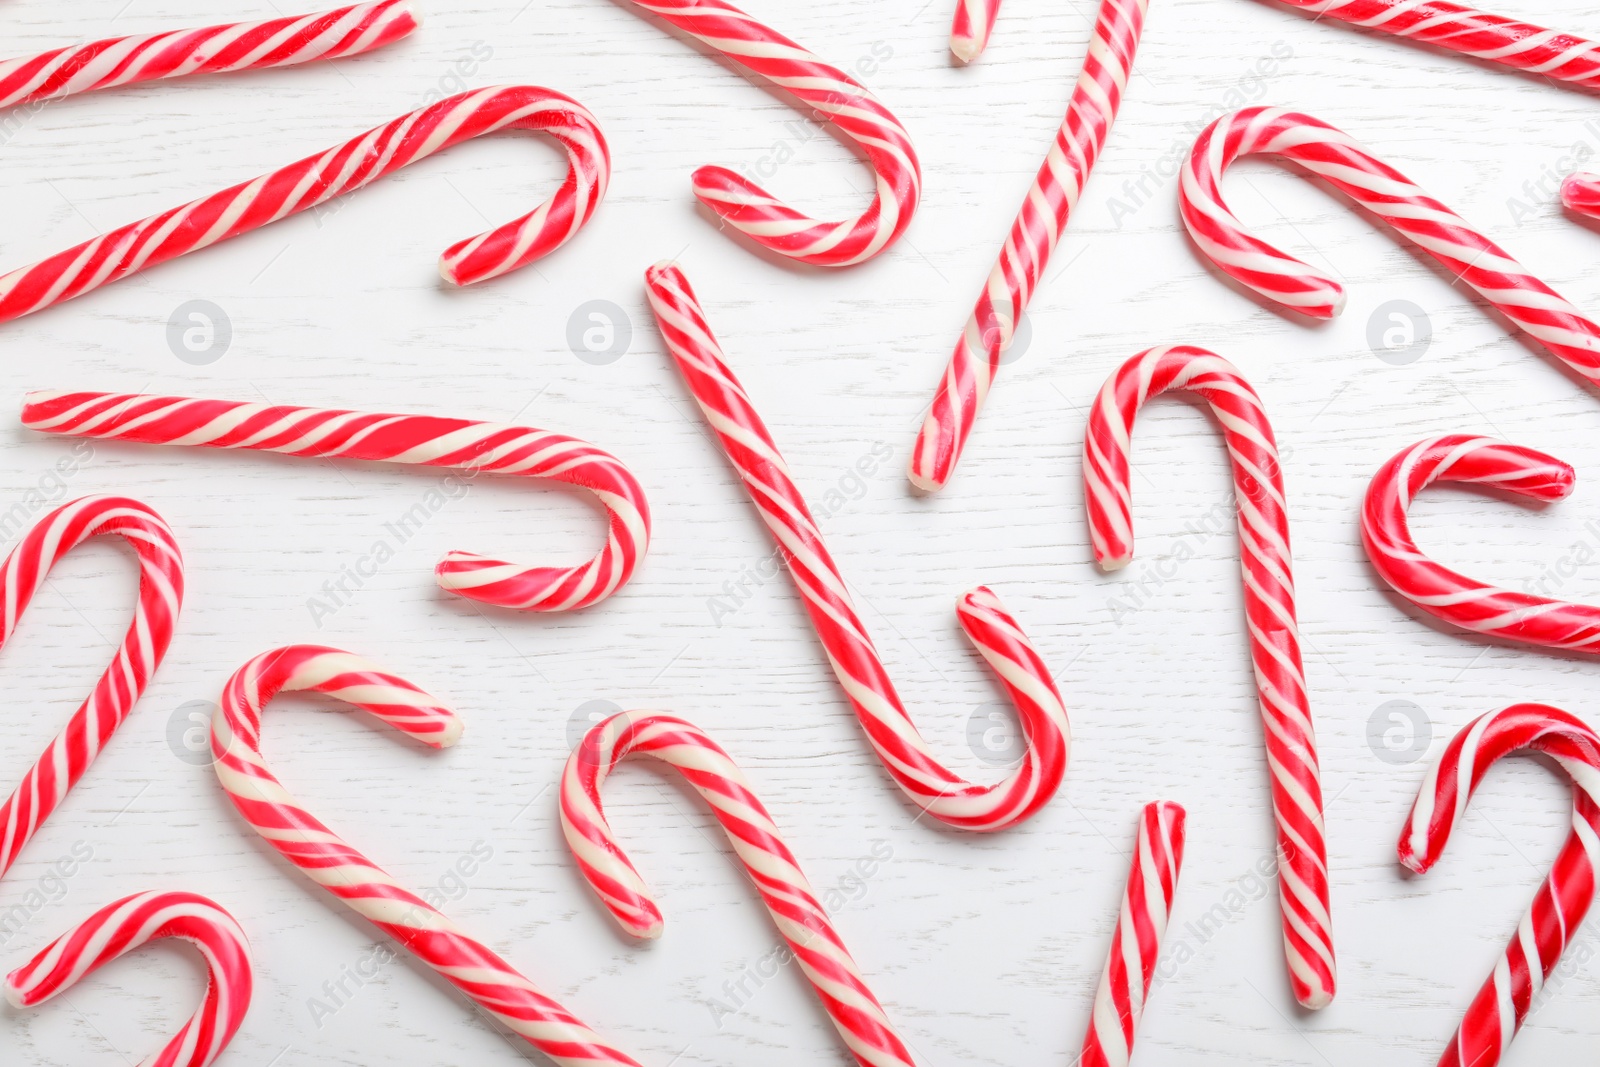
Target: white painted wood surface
984 950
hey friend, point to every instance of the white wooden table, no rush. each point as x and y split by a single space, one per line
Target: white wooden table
984 950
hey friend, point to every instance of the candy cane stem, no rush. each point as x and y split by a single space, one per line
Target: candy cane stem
124 680
773 870
327 175
1559 907
131 923
300 838
830 96
1269 597
280 42
1341 161
998 636
464 445
1038 229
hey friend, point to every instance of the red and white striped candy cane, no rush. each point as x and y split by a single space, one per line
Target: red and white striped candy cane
356 881
421 440
22 575
1444 593
1136 943
1341 161
350 166
1479 34
974 22
995 633
788 896
1034 235
282 42
131 923
1501 1006
837 100
1269 608
1581 192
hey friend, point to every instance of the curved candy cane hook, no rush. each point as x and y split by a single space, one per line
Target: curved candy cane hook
1342 162
1501 1006
22 575
789 898
1444 593
999 638
297 835
350 166
838 100
1037 230
131 923
281 42
1136 943
1269 605
423 440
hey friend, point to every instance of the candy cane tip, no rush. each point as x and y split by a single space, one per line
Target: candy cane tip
1414 863
1336 303
660 269
965 48
447 737
927 483
1578 190
1316 1000
447 271
1114 563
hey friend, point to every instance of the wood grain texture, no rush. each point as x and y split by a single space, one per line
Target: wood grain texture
984 951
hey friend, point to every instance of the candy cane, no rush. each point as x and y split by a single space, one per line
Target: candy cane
1034 235
1269 606
1581 192
1479 34
356 881
1342 162
974 22
422 440
1501 1006
835 98
131 923
352 165
66 759
1442 592
789 898
997 635
1136 943
282 42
